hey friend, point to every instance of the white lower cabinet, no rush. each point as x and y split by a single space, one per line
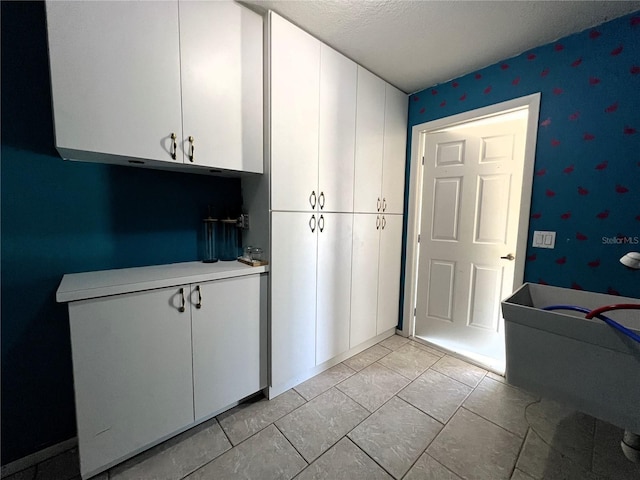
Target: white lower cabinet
152 363
375 292
131 371
226 342
310 291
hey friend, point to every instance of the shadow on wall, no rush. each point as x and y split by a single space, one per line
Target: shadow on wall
61 217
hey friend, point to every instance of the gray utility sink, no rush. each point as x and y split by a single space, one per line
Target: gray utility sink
559 354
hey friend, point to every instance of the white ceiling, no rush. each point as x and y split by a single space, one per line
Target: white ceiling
416 44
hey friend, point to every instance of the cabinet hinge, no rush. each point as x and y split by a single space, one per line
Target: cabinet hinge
418 238
423 159
414 312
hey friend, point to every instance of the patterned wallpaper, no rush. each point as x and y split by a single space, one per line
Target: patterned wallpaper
586 185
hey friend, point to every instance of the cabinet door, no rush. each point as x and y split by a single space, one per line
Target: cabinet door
389 273
295 98
131 370
334 285
293 295
338 80
364 283
226 342
369 143
395 148
221 64
115 77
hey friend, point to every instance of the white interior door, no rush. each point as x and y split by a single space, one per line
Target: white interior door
472 185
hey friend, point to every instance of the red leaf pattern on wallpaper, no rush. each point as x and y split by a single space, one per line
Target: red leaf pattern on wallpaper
576 286
531 56
635 21
611 108
557 91
532 258
555 142
603 214
593 34
455 84
550 193
478 76
434 92
583 191
487 90
443 103
594 80
594 263
576 62
416 98
569 169
463 97
581 236
635 70
565 216
504 66
541 172
558 47
422 110
629 130
588 136
561 260
544 72
638 218
538 215
616 51
621 189
602 165
574 116
515 81
546 122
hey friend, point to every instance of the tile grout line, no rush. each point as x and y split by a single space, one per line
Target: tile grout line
515 465
297 451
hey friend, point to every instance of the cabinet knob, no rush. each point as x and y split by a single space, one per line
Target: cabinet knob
321 201
378 203
378 222
199 304
384 204
384 222
312 199
321 223
181 308
174 146
191 149
312 223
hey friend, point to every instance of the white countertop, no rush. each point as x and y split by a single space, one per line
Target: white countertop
81 286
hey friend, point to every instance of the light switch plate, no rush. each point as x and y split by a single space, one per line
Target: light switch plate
544 239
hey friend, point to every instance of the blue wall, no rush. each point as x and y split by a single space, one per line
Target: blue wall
60 217
587 167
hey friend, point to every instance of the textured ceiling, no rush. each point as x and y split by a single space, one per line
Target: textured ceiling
417 44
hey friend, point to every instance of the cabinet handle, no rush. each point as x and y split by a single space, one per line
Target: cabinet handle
378 222
312 227
384 222
312 199
181 309
174 148
191 140
321 223
199 304
384 204
378 203
321 200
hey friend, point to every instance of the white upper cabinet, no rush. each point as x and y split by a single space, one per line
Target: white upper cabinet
369 143
115 76
313 113
222 72
295 94
338 81
395 147
381 136
128 76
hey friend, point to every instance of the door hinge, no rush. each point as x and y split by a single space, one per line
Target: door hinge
414 312
418 238
423 159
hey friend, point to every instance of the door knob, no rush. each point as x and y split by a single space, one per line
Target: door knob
508 257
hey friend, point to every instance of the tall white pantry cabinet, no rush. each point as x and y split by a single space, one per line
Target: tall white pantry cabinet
337 140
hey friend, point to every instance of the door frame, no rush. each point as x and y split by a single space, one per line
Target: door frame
529 102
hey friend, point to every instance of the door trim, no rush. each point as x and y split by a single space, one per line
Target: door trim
532 104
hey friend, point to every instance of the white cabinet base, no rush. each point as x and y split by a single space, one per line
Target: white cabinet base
275 390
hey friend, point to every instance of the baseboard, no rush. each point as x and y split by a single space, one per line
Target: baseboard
38 457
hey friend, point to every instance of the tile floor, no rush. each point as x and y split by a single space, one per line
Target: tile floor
397 410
